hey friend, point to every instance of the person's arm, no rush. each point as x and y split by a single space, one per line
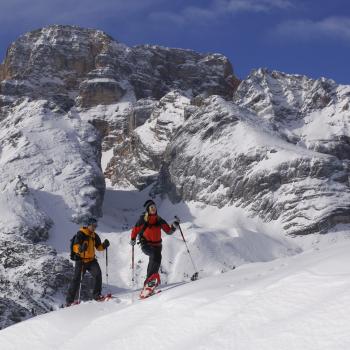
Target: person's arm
99 245
166 227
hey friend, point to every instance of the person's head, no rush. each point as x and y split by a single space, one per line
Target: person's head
151 207
91 224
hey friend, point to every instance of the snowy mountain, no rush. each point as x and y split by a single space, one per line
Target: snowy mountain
89 126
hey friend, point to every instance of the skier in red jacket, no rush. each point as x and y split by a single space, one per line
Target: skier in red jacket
148 230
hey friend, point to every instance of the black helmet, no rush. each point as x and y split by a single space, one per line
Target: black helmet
148 203
91 221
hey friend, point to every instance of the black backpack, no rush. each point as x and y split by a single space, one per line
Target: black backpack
145 225
73 255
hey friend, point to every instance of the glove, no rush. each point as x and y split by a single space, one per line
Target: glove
176 224
106 244
83 247
132 242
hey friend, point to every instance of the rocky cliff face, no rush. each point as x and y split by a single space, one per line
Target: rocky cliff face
138 157
226 154
75 66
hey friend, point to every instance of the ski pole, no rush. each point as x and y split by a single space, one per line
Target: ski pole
133 272
81 278
195 275
107 266
133 265
81 275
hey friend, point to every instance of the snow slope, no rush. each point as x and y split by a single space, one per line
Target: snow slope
298 302
219 239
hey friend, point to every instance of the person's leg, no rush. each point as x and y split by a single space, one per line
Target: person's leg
94 269
74 285
155 258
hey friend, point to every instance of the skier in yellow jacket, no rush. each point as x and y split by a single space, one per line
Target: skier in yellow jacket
84 245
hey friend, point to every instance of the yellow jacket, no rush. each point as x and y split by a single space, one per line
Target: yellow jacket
93 242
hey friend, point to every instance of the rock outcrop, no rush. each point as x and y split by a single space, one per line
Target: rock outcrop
280 149
86 67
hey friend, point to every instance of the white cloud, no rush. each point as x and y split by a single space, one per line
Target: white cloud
185 16
220 8
306 30
234 6
91 12
13 11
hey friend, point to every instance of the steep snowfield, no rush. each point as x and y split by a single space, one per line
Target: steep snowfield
299 302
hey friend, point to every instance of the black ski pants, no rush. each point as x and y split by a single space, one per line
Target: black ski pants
155 257
80 268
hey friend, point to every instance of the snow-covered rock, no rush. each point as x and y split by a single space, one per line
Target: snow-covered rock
137 158
312 113
226 153
55 154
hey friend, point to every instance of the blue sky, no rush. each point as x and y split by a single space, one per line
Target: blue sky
310 37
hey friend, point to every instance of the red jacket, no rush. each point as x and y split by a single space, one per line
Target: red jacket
151 226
